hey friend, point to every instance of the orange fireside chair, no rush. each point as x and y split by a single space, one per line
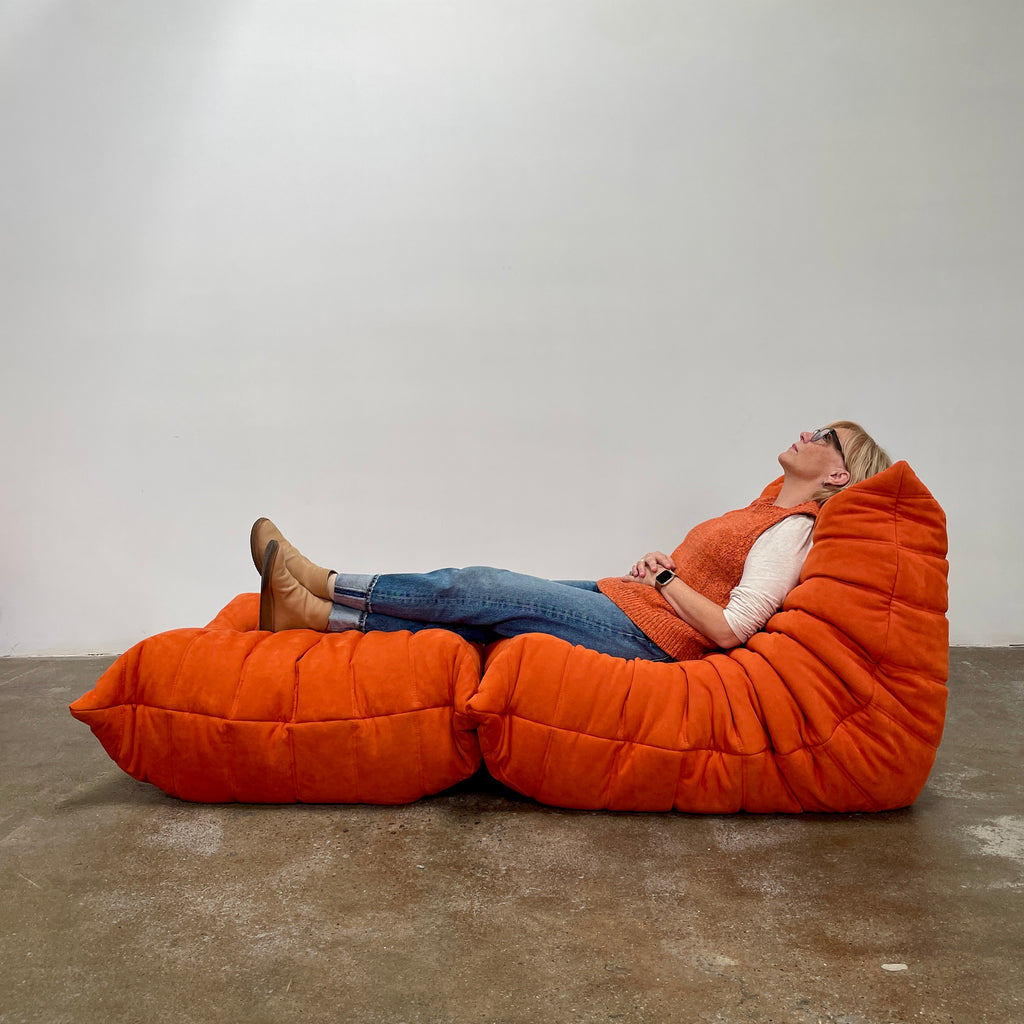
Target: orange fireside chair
837 705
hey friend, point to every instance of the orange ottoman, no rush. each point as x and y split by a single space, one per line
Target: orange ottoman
230 713
838 705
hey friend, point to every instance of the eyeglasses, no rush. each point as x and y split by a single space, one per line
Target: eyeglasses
827 434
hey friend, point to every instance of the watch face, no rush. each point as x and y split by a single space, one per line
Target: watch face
664 576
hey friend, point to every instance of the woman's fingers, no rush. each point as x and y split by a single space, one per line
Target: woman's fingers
652 562
655 561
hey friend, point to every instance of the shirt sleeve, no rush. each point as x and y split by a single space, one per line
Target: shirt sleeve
770 572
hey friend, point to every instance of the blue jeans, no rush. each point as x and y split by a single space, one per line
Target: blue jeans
484 605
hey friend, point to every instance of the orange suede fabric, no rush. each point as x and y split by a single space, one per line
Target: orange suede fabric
838 705
230 713
710 559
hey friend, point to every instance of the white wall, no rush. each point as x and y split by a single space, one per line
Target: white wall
534 283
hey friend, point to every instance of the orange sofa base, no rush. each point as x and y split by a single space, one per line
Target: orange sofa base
838 705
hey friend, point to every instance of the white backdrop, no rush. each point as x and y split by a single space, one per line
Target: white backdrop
533 283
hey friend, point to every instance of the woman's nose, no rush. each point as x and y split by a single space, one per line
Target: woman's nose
805 435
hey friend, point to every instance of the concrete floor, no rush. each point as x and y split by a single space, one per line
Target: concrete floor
121 904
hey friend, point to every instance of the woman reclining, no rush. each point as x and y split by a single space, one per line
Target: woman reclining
716 589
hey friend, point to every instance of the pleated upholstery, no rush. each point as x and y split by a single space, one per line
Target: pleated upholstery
229 713
838 705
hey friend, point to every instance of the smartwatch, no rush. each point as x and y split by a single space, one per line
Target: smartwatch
663 577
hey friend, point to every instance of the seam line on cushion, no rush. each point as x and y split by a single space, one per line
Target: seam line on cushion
420 768
875 542
229 761
241 680
638 743
545 760
824 748
890 594
842 769
819 749
312 721
174 686
288 726
734 726
353 703
883 660
869 705
895 575
786 784
618 757
901 726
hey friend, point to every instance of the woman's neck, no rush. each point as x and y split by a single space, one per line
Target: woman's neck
795 492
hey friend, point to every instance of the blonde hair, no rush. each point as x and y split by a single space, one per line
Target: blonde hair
862 455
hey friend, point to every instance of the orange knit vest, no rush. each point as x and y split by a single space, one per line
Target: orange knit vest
710 560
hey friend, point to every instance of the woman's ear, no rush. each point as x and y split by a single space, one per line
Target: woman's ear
838 478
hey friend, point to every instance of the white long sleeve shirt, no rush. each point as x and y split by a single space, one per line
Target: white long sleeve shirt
770 572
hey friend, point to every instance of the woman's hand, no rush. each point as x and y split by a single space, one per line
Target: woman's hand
644 570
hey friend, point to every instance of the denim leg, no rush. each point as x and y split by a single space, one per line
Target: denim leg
484 604
343 619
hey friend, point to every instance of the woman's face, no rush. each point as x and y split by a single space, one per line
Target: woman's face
809 459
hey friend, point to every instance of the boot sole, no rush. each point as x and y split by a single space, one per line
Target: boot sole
266 594
254 549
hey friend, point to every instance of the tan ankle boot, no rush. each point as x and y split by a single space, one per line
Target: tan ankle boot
284 602
312 576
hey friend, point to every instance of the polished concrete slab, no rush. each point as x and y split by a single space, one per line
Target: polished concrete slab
478 906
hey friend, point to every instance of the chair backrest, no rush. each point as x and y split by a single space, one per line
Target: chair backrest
859 654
